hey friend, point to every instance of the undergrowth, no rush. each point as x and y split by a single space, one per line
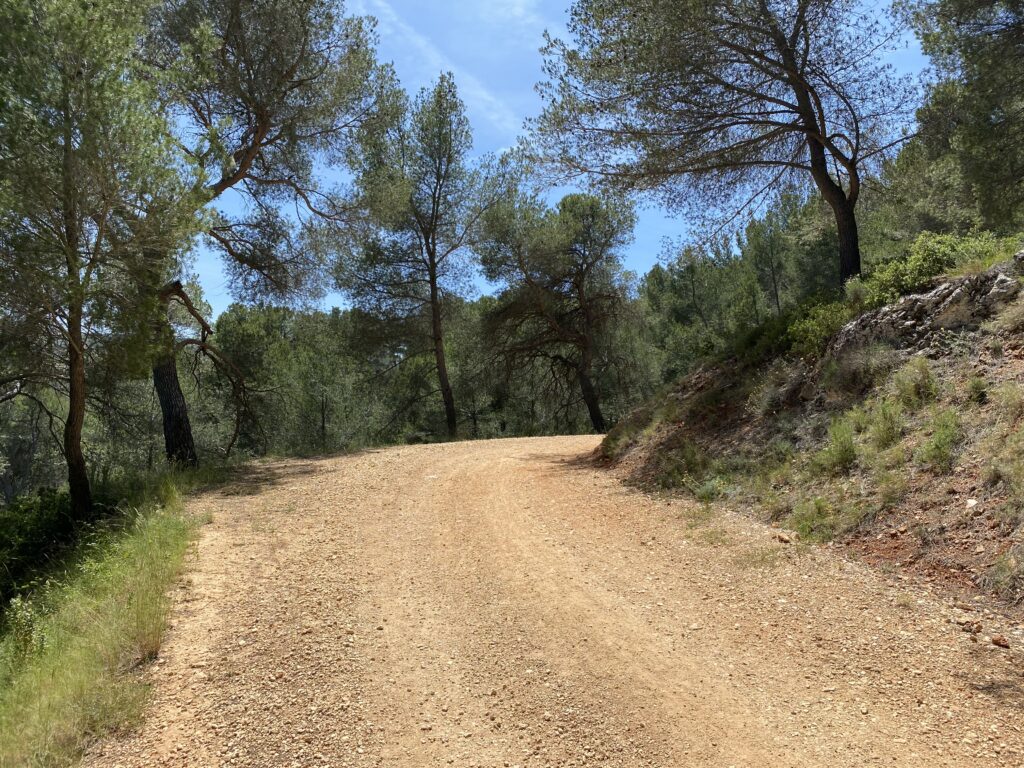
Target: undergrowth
72 637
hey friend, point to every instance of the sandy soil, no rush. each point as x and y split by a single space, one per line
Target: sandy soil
508 604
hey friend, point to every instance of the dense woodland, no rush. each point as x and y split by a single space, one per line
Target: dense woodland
479 303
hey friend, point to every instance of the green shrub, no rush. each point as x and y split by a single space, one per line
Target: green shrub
33 529
938 451
810 333
813 520
915 384
886 424
841 452
929 256
977 390
859 419
709 490
766 341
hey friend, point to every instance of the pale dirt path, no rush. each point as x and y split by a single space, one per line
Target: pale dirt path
506 604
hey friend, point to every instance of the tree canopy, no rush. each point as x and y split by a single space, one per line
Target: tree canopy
717 103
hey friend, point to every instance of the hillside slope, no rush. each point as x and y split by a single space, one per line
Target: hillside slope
904 441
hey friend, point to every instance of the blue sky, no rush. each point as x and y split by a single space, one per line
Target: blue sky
492 47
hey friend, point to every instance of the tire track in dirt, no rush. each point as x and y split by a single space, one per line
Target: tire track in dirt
505 603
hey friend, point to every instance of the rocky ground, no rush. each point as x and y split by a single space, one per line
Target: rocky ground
509 604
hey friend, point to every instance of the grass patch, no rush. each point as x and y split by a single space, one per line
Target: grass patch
716 537
1011 319
938 451
1006 576
710 489
1006 468
68 648
697 516
841 453
977 390
858 370
886 425
1009 399
759 558
814 520
819 520
891 487
915 384
681 463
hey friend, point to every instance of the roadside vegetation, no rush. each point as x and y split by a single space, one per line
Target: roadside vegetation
79 625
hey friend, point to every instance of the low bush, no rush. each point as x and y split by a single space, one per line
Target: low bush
33 529
1006 467
929 256
811 331
840 454
1011 319
710 489
891 488
1009 399
938 451
1006 576
858 370
625 433
813 520
681 463
886 426
915 384
977 390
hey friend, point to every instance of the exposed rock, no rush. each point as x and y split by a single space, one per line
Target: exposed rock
963 302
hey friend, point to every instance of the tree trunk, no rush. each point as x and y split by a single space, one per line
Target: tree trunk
775 282
78 477
843 201
849 240
178 443
591 400
450 414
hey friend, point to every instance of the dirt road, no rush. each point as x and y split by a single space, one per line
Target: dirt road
508 604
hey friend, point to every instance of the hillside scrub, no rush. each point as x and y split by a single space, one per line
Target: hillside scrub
887 451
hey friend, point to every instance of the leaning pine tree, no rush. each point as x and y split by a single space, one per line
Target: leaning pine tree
267 96
713 103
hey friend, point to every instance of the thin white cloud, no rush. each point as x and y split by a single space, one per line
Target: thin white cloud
524 17
477 96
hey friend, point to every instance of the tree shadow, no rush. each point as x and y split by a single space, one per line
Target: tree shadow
1005 687
253 478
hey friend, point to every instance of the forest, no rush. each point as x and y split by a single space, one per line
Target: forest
484 295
